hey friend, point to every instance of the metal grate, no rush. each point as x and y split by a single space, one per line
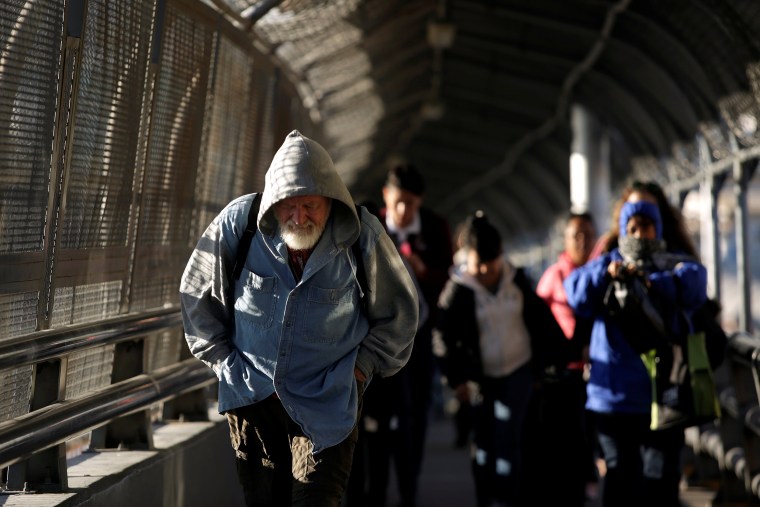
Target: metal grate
115 53
300 19
15 392
265 87
86 303
717 139
88 371
164 349
177 117
741 112
226 126
30 38
172 159
18 314
160 289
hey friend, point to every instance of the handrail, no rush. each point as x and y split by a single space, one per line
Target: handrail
51 425
50 344
743 347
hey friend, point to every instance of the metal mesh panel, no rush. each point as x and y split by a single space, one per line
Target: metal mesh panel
239 5
249 177
226 126
88 371
18 314
86 303
266 89
298 19
30 35
115 52
172 158
303 53
160 289
716 138
164 349
177 115
741 112
15 392
685 161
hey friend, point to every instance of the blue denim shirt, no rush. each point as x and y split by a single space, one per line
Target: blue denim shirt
302 339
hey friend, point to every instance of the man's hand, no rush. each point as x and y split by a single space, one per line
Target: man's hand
359 375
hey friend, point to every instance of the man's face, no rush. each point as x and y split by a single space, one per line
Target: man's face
402 205
302 219
579 240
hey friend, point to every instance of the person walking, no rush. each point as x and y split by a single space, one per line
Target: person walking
496 336
293 334
397 409
642 466
561 438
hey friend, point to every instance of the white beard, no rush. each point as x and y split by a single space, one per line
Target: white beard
302 237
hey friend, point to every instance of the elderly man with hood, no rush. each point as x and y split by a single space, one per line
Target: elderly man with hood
295 337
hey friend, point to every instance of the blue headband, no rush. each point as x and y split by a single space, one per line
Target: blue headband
643 208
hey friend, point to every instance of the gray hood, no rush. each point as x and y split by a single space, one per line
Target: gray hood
302 167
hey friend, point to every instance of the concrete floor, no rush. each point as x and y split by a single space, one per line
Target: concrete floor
446 479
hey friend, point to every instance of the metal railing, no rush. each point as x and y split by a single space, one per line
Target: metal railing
733 442
32 446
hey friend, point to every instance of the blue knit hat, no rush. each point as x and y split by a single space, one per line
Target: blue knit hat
643 208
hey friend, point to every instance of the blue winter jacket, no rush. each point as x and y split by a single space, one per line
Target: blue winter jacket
619 383
299 339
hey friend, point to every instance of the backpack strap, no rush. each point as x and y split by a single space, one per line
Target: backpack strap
245 242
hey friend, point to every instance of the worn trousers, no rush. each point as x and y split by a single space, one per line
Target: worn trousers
275 463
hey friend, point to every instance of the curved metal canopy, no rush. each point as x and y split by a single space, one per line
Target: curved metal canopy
477 93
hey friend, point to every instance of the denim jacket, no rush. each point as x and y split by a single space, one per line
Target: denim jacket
266 333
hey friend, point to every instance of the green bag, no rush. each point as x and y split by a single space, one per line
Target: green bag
706 404
683 387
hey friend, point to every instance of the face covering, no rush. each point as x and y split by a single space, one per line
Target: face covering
640 251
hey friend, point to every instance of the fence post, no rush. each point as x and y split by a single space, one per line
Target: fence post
45 471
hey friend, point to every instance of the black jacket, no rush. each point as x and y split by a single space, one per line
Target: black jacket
457 328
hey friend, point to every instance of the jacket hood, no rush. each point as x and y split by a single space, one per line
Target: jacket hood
643 208
303 167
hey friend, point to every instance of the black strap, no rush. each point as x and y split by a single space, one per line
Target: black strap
250 230
245 242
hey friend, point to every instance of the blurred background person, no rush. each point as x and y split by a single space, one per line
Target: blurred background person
642 466
397 410
560 438
673 226
495 334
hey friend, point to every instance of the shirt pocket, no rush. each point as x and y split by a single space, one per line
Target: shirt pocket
329 313
256 304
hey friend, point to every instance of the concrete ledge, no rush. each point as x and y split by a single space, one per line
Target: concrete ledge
193 466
